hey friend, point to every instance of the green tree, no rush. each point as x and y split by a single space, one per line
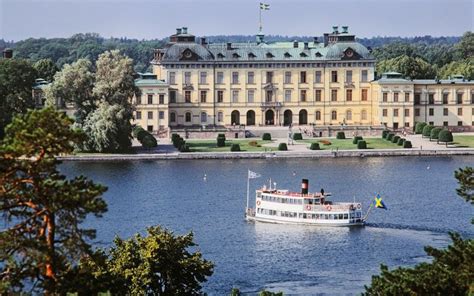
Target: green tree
157 264
419 127
462 67
17 77
46 69
74 84
435 133
450 272
466 45
427 130
445 136
414 68
43 209
108 129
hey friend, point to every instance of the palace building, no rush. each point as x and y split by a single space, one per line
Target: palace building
329 82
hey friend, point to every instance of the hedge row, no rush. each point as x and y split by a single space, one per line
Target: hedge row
297 136
179 143
267 137
220 140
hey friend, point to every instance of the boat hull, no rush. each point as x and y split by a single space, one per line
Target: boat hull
299 222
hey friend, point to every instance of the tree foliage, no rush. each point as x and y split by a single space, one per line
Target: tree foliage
46 69
17 76
461 67
414 68
43 210
445 136
465 179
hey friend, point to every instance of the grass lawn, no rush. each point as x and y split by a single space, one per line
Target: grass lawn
346 144
211 145
463 141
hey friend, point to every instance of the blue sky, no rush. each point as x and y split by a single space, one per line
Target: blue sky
146 19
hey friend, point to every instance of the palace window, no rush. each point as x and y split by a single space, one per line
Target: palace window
250 96
139 115
349 76
407 97
333 76
187 117
334 115
334 95
445 112
364 76
318 115
303 77
187 96
149 128
445 98
407 112
287 77
349 115
317 95
364 95
460 111
150 114
303 95
203 78
161 115
459 123
431 99
235 96
203 96
172 96
317 77
445 123
417 99
431 111
173 117
472 98
161 99
417 111
220 77
384 112
395 112
349 95
250 77
220 116
172 77
395 97
220 96
187 77
235 77
363 115
150 99
269 76
288 95
459 98
385 97
203 117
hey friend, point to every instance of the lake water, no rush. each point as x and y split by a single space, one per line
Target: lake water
419 193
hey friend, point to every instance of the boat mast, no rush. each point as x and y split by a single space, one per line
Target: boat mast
248 188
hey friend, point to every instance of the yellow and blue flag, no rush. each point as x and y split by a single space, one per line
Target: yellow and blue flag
379 203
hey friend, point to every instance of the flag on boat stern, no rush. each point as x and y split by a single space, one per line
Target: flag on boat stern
264 6
253 175
379 203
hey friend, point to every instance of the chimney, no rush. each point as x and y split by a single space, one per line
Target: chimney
295 44
306 45
185 30
315 40
229 46
304 186
178 31
203 41
335 29
326 39
345 29
8 53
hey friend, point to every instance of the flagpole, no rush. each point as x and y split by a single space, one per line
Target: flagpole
260 19
248 187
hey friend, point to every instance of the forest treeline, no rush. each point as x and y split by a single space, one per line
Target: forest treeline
415 57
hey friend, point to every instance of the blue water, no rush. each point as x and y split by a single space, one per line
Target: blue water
419 193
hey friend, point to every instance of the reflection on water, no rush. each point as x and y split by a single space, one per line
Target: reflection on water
422 204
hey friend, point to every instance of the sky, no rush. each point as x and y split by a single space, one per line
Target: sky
149 19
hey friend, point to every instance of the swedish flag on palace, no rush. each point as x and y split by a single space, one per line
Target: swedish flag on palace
379 203
264 6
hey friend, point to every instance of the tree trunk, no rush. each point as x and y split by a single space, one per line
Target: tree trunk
50 273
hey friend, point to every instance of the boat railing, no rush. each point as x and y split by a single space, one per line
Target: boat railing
250 212
334 207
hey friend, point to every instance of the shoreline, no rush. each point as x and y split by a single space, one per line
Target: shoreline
270 155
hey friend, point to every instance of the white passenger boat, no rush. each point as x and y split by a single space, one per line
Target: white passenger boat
282 206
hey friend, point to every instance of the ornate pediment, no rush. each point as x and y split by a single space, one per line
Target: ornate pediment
188 55
350 54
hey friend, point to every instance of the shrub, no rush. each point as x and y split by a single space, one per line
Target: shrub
407 144
427 130
221 136
149 141
362 144
235 148
314 146
400 142
253 144
220 141
267 137
282 147
174 137
340 135
435 133
385 134
395 139
184 147
445 136
356 139
325 142
135 130
419 127
178 142
141 134
390 136
297 136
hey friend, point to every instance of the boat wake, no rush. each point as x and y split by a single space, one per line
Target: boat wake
438 230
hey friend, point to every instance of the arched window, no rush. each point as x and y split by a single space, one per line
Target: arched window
220 116
303 117
172 117
348 115
187 117
363 115
318 115
203 117
334 115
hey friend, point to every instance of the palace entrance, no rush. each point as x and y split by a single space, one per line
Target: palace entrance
269 117
287 118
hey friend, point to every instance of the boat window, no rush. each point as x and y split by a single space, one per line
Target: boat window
345 216
326 216
335 216
340 216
